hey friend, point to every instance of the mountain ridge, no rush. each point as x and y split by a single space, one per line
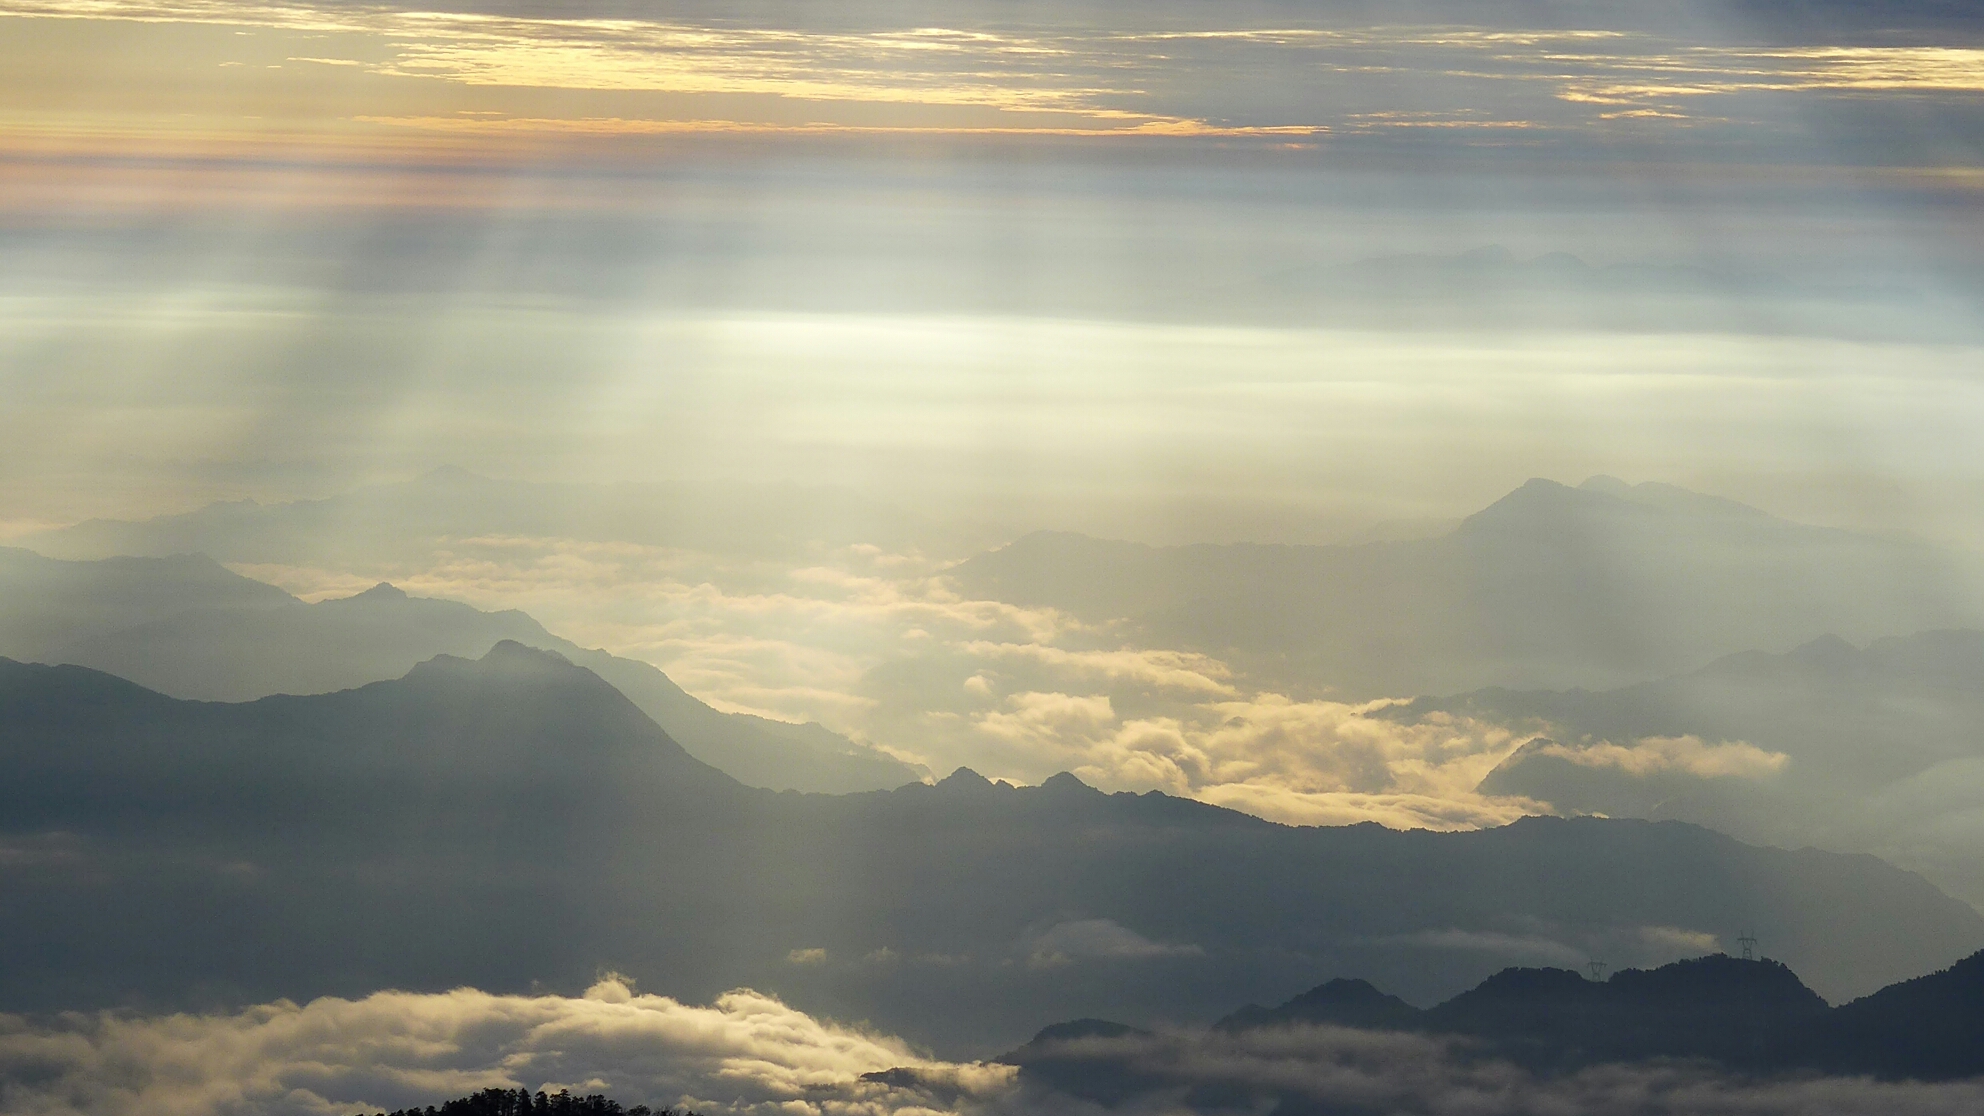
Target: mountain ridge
1549 586
233 638
516 819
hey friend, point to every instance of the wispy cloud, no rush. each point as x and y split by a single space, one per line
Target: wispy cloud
1072 77
1686 754
1096 939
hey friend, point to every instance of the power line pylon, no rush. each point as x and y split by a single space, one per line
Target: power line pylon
1747 941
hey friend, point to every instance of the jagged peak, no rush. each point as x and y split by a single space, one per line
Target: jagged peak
1342 988
964 778
1539 501
506 658
1075 1029
509 650
1065 782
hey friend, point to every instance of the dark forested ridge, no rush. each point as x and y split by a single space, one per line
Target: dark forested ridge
1749 1013
1745 1016
516 820
522 1102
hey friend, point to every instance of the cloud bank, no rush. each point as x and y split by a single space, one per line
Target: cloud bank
748 1053
744 1053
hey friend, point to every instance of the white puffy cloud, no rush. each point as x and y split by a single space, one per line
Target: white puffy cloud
1300 762
744 1053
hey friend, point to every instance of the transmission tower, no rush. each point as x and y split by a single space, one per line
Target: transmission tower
1596 968
1747 940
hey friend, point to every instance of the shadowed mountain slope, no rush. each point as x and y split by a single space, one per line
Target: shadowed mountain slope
188 627
516 819
1551 586
1343 1002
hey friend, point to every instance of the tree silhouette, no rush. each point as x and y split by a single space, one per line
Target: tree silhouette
523 1102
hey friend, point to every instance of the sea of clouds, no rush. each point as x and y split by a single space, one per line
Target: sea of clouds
749 1054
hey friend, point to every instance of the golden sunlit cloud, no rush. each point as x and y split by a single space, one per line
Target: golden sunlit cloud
618 126
472 74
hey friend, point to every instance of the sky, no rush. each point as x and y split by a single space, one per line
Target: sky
1273 272
1193 272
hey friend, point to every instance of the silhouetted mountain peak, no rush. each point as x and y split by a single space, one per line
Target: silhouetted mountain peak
1065 782
1083 1029
1536 505
1527 986
1827 652
1343 990
511 662
508 651
1345 1002
1541 505
384 591
964 779
1712 980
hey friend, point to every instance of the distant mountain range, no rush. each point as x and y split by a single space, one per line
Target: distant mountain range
1550 587
516 819
189 627
1747 1016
